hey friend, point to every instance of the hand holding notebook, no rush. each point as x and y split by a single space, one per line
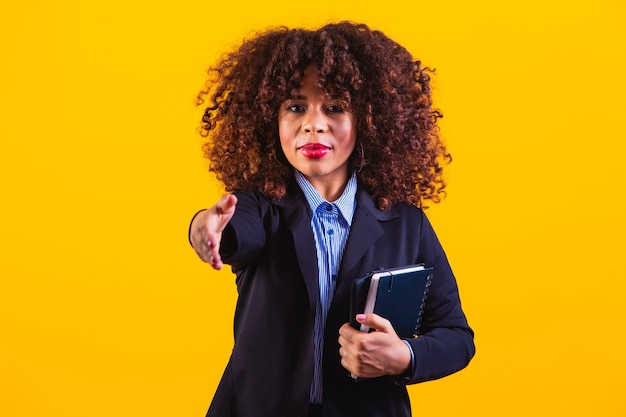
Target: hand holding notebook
397 294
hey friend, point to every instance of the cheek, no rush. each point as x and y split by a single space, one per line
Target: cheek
285 128
283 138
282 133
348 133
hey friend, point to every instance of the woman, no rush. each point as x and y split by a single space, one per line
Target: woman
328 142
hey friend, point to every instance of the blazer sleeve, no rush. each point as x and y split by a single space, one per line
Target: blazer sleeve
244 236
446 342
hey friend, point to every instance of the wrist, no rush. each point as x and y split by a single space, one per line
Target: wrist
410 364
191 225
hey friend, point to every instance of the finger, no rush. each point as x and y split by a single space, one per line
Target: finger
217 264
204 251
208 252
376 322
216 259
343 341
224 210
345 331
347 360
230 201
226 204
212 255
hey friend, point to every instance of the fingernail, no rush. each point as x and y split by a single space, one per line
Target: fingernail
360 317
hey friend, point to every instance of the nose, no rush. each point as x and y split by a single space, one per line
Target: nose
314 122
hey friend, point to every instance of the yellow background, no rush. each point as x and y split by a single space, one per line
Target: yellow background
105 310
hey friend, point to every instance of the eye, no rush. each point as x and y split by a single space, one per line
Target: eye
295 108
335 108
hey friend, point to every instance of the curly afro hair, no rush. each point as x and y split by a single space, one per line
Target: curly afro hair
399 155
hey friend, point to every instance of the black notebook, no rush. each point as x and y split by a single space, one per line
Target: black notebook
397 294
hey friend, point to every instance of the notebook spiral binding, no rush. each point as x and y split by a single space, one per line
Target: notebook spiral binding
421 311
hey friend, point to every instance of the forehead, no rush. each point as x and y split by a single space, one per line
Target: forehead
312 83
311 72
310 79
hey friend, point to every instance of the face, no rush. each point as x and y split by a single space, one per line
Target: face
317 136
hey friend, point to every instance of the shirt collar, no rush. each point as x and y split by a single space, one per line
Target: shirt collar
346 203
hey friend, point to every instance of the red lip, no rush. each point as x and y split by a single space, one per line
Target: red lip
314 150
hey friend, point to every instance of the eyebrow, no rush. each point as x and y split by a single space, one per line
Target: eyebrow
303 97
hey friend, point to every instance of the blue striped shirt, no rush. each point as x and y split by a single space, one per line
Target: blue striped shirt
331 225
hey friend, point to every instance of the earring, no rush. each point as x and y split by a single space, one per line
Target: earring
362 158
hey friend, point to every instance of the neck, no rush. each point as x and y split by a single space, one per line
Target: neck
330 191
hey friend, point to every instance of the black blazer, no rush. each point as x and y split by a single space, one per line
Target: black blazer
271 249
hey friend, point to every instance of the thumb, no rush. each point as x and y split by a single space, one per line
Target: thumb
374 321
226 205
225 208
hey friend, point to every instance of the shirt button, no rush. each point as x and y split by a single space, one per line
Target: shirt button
331 231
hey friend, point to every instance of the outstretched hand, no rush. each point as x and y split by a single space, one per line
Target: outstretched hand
370 355
207 228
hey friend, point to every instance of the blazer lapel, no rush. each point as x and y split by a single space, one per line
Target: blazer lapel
299 223
365 230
